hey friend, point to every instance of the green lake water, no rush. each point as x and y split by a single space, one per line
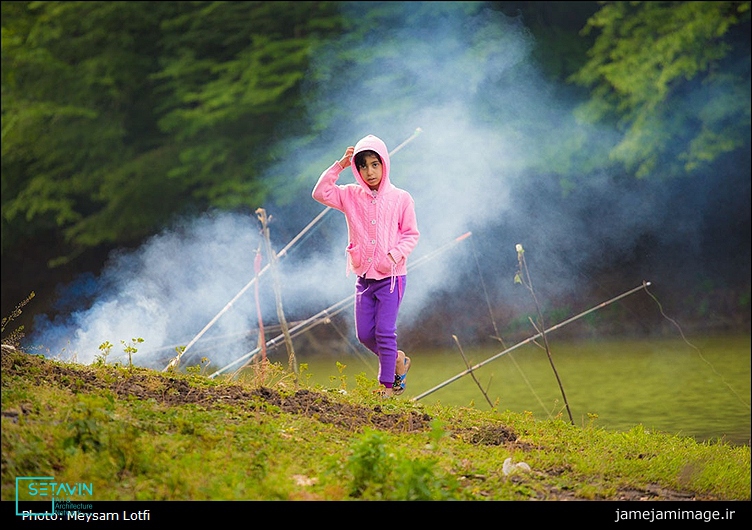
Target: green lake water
698 388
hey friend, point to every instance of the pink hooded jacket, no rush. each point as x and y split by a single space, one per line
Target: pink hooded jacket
378 222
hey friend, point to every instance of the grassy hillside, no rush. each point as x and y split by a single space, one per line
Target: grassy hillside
139 434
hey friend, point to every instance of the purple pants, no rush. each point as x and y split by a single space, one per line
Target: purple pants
376 312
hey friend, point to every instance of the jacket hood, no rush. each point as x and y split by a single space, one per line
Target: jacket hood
372 143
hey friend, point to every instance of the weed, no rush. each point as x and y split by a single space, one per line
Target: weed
130 349
105 348
437 432
86 422
420 480
266 374
31 454
13 339
342 377
377 474
368 464
200 368
303 367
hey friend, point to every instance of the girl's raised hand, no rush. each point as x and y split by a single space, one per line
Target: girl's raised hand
345 160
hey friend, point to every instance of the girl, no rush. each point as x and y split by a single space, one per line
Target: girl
382 232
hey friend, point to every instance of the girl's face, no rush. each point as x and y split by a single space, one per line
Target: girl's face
371 171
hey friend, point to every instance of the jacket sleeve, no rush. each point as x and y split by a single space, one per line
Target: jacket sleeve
326 191
409 234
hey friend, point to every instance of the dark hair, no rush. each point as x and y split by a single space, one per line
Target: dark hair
359 162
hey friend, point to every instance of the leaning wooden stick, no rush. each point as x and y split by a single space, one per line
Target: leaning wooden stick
523 276
272 257
528 340
485 395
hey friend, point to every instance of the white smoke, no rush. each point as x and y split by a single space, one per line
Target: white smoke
468 170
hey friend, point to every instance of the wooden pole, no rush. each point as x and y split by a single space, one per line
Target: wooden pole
293 363
527 282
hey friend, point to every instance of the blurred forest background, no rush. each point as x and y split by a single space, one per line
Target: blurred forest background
610 139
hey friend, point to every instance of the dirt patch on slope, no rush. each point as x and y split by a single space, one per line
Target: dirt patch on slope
175 391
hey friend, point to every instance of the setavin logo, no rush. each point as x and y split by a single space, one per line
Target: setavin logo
46 488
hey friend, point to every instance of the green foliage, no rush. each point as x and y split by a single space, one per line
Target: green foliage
105 349
368 464
342 376
559 49
666 74
119 117
419 480
88 424
200 368
130 348
73 78
375 473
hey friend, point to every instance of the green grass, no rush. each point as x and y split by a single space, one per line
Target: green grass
138 434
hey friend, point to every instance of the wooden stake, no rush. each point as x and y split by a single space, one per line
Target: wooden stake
293 363
525 280
485 395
